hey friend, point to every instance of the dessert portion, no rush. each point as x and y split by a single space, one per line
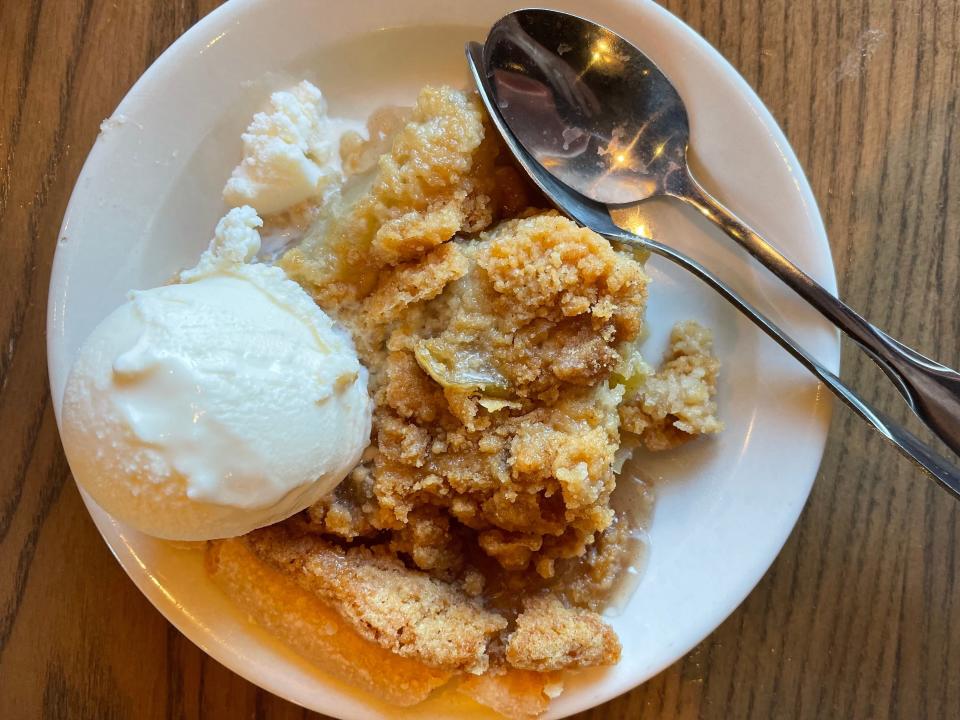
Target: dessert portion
403 438
217 404
475 542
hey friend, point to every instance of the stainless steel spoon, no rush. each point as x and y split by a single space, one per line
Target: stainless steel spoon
596 216
600 117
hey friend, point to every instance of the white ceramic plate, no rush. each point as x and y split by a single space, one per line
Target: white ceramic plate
149 197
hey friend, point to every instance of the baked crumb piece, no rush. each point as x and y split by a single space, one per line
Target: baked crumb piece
515 694
359 155
677 402
590 580
410 283
427 539
345 512
314 627
548 267
437 179
405 612
551 636
545 304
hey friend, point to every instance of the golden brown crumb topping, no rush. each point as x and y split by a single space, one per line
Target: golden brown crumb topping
551 636
492 401
517 694
478 529
676 403
437 179
408 613
413 282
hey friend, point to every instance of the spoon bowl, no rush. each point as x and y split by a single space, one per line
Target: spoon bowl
588 105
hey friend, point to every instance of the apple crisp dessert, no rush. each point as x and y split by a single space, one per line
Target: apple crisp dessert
476 541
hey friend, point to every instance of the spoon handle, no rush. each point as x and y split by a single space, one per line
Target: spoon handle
932 390
926 457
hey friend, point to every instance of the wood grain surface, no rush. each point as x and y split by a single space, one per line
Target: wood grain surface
855 618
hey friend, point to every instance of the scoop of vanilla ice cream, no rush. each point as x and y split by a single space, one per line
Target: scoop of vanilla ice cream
217 405
290 153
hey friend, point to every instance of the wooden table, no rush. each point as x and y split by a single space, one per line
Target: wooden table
855 618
